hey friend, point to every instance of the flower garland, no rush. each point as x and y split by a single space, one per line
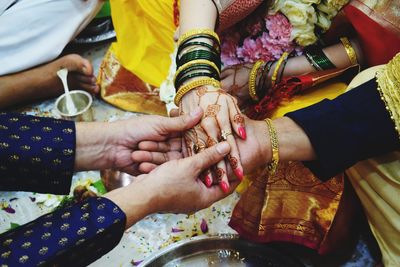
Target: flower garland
306 16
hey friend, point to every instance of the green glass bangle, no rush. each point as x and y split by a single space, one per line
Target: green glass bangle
199 54
318 59
180 82
194 68
207 36
188 44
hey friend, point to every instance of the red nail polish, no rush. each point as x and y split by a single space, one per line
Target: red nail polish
239 174
208 181
242 132
224 186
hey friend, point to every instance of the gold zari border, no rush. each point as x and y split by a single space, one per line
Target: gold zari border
389 88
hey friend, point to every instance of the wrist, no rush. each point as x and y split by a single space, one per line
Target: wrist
92 146
135 200
264 147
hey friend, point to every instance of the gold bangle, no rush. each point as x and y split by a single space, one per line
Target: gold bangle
278 65
190 33
193 84
349 50
273 165
253 78
194 62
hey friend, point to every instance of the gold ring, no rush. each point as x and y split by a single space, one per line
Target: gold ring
198 147
225 134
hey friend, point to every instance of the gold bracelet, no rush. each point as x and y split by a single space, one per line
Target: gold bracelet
189 34
278 65
349 50
195 62
273 165
253 78
193 84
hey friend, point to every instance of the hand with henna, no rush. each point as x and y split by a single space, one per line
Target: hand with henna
235 81
255 151
222 120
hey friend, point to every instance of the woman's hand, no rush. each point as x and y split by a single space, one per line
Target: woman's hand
235 81
255 151
221 119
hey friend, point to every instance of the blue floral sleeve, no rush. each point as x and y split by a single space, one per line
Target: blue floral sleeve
36 154
73 236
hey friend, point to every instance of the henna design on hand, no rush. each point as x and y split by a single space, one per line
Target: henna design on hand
233 162
211 142
238 118
202 90
212 110
220 173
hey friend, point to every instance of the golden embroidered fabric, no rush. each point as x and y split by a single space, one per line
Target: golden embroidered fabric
389 87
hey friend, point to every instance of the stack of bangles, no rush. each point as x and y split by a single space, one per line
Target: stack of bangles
261 70
198 61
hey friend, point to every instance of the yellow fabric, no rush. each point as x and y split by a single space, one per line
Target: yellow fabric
377 184
145 32
329 90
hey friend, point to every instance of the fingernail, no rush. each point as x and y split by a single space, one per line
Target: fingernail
208 181
224 186
195 112
239 174
242 132
223 148
84 69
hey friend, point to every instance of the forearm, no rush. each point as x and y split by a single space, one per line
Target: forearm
336 54
353 127
27 86
197 14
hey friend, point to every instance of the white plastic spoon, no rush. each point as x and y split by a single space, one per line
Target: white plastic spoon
71 109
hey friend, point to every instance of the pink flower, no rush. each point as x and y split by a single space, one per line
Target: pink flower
228 48
246 42
279 27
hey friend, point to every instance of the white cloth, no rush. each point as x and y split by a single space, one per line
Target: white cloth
4 4
33 32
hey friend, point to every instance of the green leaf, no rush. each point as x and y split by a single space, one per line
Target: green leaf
13 225
100 187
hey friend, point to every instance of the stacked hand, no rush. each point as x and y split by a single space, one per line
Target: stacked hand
221 120
255 151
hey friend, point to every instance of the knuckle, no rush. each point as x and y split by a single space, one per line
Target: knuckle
207 123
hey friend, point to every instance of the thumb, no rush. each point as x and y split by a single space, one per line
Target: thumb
209 157
183 122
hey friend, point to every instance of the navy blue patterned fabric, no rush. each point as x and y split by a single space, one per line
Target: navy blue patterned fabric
36 154
73 236
353 127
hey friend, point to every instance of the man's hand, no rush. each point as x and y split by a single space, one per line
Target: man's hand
172 187
101 145
255 151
